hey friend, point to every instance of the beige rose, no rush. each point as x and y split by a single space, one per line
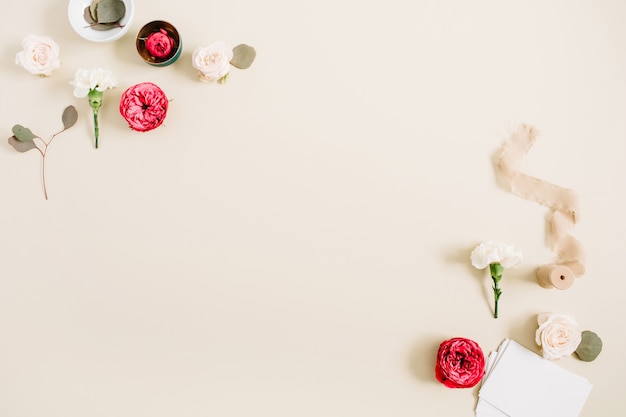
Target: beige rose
213 61
40 55
558 335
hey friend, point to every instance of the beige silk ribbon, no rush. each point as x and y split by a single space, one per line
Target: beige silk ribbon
562 201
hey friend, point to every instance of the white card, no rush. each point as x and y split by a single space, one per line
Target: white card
520 383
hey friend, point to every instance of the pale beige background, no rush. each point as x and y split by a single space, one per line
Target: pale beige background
296 242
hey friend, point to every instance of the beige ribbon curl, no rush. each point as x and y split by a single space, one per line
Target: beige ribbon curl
562 201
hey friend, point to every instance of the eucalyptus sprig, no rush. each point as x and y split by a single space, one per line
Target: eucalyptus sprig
24 140
104 14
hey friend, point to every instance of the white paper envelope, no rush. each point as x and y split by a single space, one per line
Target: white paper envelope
520 383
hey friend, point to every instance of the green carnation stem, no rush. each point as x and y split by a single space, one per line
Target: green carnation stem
96 129
95 101
496 275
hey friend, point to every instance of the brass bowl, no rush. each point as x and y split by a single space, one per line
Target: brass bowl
156 26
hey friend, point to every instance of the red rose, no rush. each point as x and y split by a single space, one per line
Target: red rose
144 106
159 44
460 363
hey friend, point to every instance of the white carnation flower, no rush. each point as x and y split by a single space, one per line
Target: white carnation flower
92 83
496 256
87 80
492 252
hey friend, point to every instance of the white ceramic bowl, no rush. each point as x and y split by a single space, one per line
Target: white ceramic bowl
76 11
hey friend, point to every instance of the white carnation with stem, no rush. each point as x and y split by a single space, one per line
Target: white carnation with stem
496 256
92 83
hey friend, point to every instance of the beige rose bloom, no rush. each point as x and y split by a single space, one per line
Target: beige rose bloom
213 61
40 55
558 335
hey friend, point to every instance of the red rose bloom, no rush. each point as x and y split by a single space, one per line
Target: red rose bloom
460 363
159 44
144 106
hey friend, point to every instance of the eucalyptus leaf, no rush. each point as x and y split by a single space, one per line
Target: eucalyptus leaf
590 346
243 56
92 10
22 146
110 11
70 116
98 26
23 133
87 16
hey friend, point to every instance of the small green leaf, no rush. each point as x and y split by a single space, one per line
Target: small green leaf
590 346
70 116
22 146
243 56
23 133
110 11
